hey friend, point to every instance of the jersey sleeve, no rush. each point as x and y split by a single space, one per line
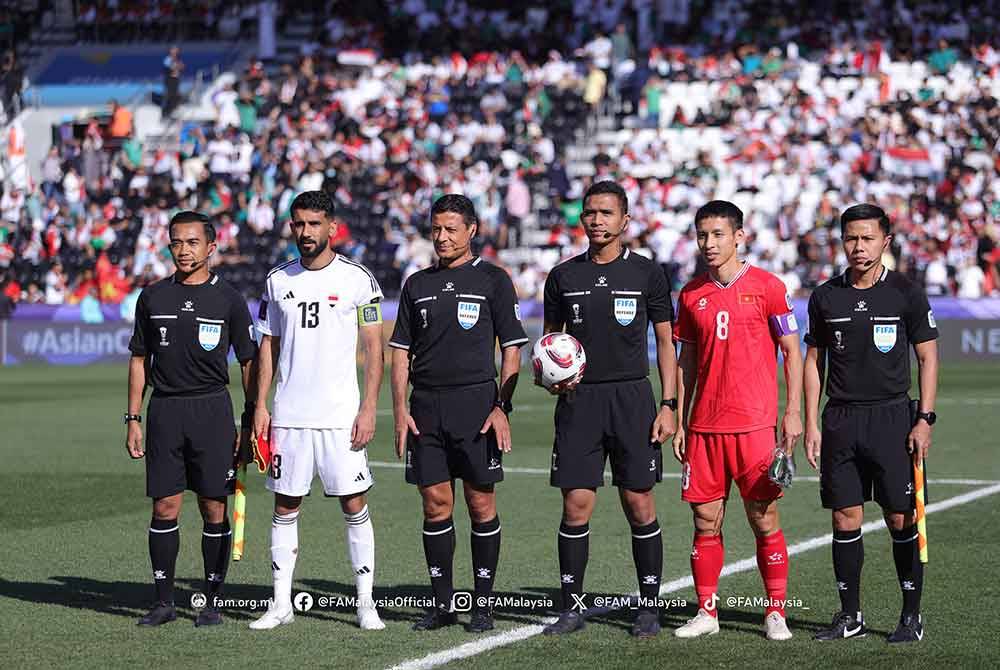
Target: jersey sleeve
780 312
241 331
401 332
659 308
369 302
920 323
137 345
268 315
817 335
551 310
684 330
507 313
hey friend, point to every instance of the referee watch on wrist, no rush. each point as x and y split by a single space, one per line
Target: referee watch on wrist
132 417
929 417
505 406
672 404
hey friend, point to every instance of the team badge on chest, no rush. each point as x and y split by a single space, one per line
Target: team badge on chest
884 337
468 314
625 310
209 335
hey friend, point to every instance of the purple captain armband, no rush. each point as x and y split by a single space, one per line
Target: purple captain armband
784 324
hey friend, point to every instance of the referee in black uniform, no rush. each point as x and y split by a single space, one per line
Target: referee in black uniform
606 298
862 325
184 327
451 317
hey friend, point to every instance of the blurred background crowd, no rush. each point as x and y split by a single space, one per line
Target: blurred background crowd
792 110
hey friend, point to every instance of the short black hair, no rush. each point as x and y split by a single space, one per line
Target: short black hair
720 209
457 204
863 212
608 187
191 216
313 201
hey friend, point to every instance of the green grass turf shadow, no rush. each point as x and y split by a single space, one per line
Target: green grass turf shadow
38 499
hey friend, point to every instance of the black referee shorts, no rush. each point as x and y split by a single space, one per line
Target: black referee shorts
864 456
450 445
189 445
609 419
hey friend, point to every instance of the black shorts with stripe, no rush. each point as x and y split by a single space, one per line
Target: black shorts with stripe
864 456
450 445
602 420
190 442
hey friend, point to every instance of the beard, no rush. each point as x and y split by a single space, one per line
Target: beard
315 251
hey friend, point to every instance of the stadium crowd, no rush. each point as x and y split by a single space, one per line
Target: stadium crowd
776 106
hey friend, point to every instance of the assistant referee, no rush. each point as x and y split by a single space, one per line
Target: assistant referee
606 298
451 318
862 325
184 327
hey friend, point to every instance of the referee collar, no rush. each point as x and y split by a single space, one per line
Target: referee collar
624 254
473 262
846 278
212 280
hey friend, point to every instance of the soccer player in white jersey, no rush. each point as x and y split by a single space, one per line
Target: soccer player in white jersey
311 315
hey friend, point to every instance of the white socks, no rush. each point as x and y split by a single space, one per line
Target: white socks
284 550
361 547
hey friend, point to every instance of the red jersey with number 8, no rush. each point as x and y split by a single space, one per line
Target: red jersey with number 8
735 328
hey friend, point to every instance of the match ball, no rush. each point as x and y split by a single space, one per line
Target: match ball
558 357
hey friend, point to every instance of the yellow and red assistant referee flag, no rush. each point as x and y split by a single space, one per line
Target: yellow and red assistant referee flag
919 483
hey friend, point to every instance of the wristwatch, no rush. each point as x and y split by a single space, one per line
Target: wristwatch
133 417
505 407
672 403
929 417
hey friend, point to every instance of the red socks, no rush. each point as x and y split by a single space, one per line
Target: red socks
707 554
772 561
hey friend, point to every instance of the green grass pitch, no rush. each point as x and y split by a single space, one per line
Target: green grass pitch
75 573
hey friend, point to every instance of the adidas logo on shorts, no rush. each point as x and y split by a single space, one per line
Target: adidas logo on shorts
360 477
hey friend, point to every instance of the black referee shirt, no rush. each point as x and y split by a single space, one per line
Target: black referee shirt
450 320
867 334
608 308
186 332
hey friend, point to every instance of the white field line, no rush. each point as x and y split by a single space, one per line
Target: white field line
676 475
519 633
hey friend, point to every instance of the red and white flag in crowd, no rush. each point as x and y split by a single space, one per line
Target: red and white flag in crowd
907 162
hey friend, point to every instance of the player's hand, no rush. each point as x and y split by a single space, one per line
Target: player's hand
133 440
261 420
664 426
814 441
566 386
791 431
679 444
404 426
919 441
497 421
363 429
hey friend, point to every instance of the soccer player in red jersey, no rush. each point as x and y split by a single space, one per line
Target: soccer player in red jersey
730 322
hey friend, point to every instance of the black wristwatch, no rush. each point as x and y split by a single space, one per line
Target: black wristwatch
133 417
929 417
672 403
505 407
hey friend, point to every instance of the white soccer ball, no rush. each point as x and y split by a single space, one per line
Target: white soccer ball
558 357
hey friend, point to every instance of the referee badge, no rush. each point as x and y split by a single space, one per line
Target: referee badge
625 310
209 335
884 337
468 314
